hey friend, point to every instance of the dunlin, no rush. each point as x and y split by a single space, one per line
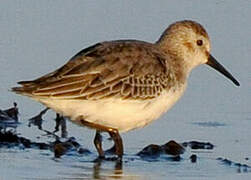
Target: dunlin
117 86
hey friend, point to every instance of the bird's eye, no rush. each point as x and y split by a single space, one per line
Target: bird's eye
199 42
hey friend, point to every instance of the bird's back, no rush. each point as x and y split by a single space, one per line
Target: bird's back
125 68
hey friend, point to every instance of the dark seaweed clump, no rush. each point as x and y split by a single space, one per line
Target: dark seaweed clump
171 148
10 139
198 145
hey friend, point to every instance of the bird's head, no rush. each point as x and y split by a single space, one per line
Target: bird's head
188 42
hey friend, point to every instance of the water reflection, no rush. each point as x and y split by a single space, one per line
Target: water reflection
117 172
103 169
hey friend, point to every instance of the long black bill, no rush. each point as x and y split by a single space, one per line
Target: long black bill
214 64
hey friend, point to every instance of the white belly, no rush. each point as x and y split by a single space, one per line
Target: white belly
123 115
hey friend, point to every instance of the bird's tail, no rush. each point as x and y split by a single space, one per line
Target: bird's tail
23 90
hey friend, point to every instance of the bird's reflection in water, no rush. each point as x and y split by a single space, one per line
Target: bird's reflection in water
108 168
117 172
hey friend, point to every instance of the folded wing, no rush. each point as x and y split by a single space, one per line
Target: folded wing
124 69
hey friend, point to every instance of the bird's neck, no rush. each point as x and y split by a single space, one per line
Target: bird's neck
177 59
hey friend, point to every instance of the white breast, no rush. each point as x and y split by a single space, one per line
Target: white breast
123 115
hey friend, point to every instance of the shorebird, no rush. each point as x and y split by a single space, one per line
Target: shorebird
117 86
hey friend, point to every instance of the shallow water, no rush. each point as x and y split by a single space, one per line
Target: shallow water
37 37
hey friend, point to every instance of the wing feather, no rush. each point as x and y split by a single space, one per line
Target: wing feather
125 69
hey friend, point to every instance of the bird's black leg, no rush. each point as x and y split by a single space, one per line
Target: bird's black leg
119 150
114 133
98 144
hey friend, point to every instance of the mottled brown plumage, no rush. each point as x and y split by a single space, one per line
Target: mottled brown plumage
126 69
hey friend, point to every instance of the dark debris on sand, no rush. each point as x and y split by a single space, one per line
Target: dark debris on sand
174 150
9 117
37 120
240 167
170 148
9 139
10 112
198 145
60 148
61 122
